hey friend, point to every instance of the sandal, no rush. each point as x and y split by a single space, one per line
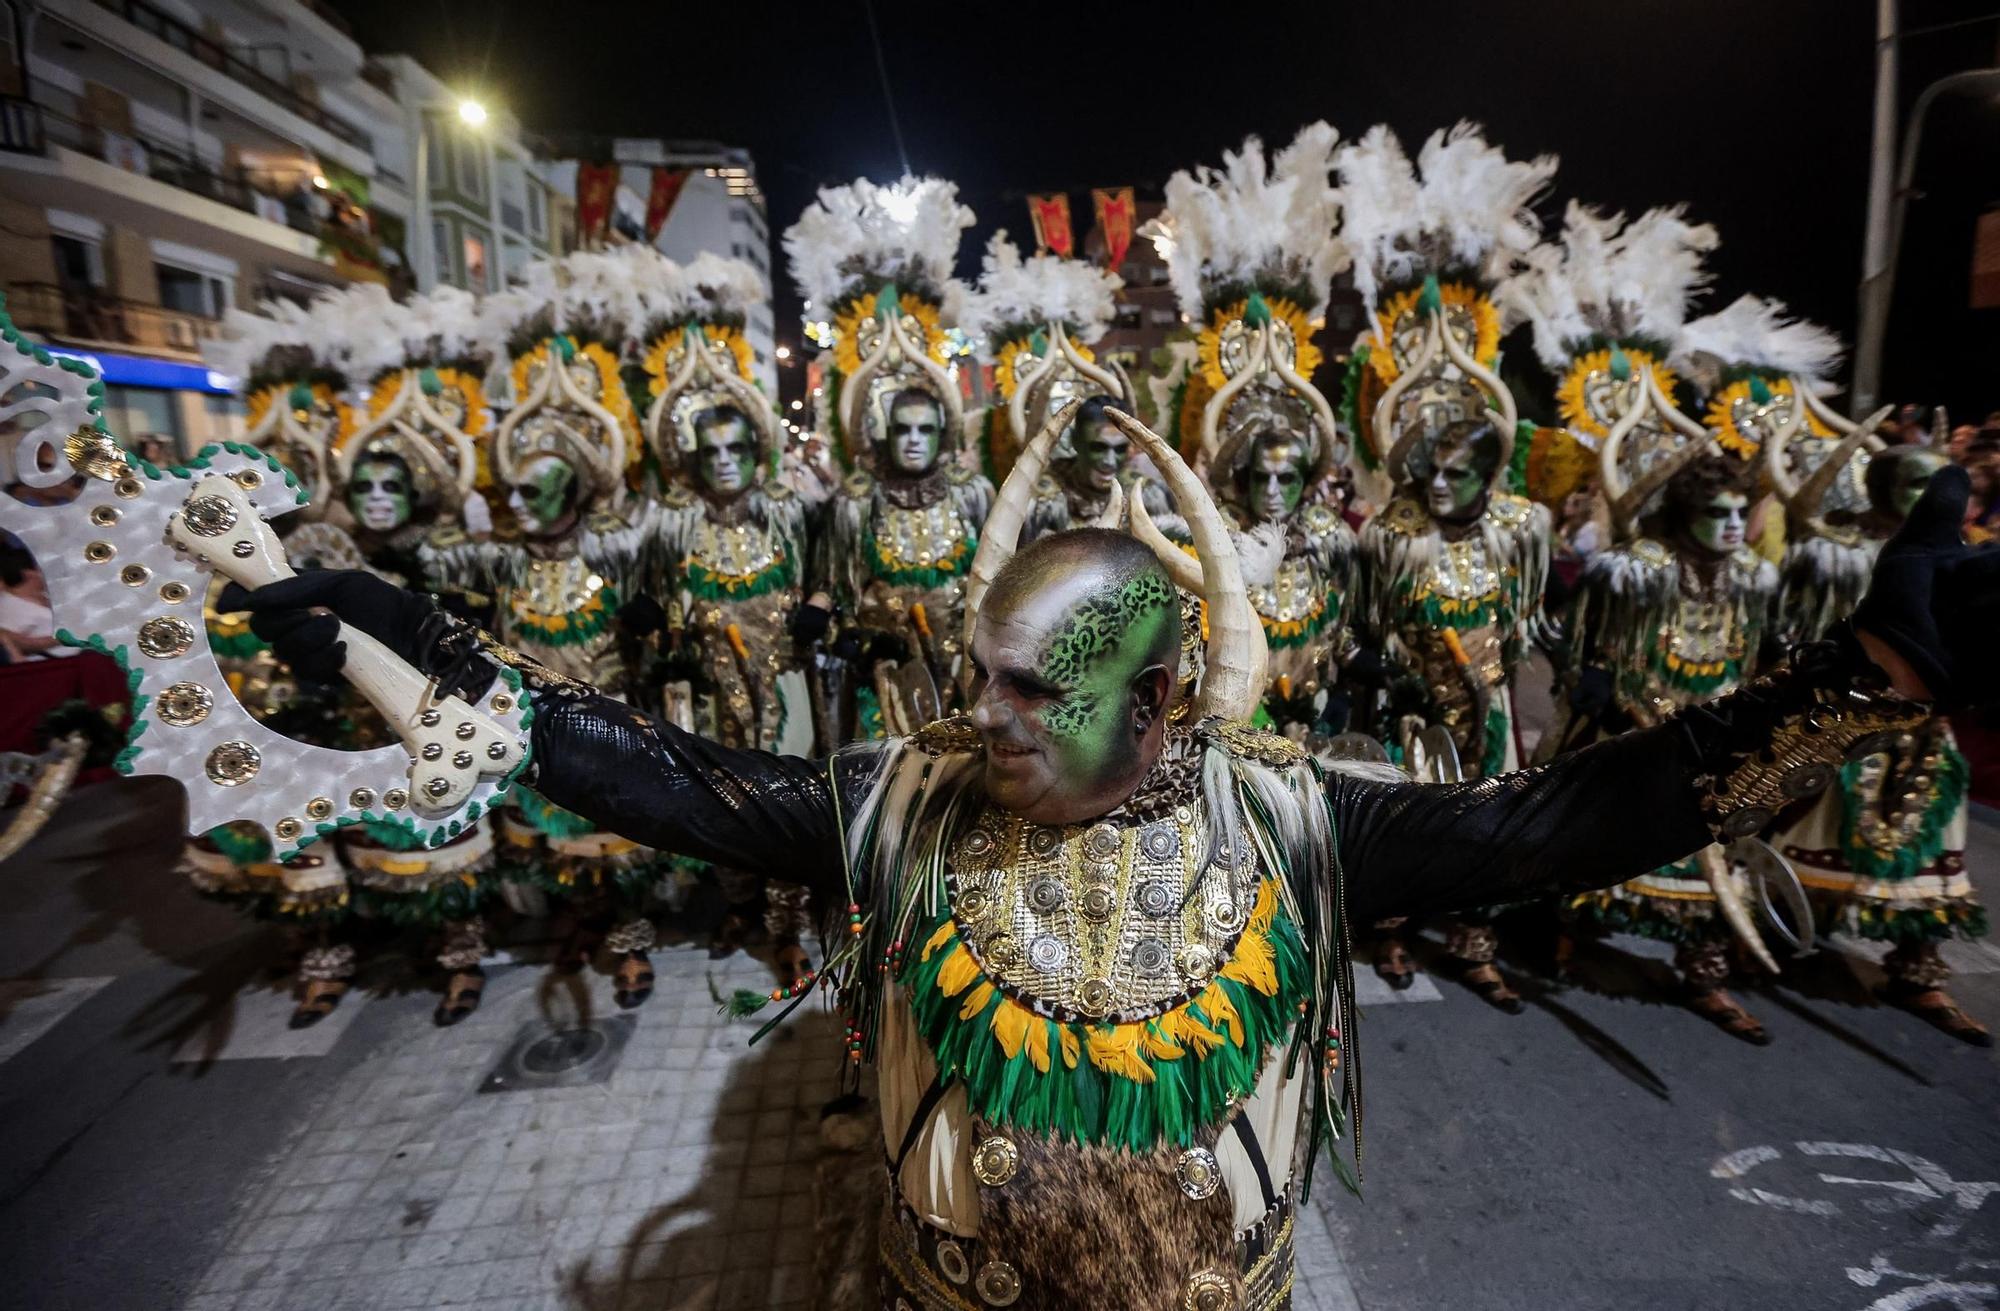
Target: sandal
461 996
1393 964
633 980
1727 1014
1485 980
1935 1007
316 1001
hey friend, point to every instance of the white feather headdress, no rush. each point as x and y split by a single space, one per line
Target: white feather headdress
588 293
857 237
1755 333
1607 279
1245 227
726 288
252 338
1463 206
1039 289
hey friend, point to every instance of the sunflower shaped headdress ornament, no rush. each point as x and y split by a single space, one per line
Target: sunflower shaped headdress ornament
695 355
1430 243
876 261
1251 254
427 406
291 364
1757 366
1036 320
1607 304
562 328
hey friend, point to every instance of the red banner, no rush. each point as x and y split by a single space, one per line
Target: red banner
667 183
1051 218
1115 212
596 189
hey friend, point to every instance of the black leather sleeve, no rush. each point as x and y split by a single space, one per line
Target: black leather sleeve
1588 819
658 785
1620 808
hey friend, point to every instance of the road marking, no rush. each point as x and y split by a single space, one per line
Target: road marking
29 1008
1926 1182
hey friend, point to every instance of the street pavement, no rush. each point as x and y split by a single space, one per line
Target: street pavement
166 1142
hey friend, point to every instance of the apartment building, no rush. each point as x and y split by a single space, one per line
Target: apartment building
162 161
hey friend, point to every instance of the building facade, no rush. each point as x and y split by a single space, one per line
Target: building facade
164 161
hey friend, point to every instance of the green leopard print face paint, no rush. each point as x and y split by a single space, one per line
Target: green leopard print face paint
543 497
1075 657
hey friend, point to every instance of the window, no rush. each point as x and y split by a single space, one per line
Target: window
475 264
190 292
471 168
538 214
146 419
441 251
79 263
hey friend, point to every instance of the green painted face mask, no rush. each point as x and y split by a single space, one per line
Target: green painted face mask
378 495
544 496
726 456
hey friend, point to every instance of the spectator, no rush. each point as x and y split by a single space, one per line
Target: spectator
27 624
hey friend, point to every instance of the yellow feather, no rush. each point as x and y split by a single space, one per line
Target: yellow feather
1267 906
1070 1046
1215 1004
1011 1023
975 1001
1114 1049
938 939
1253 964
1157 1045
959 973
1180 1025
1038 1040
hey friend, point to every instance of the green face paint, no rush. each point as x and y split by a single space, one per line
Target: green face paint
542 499
378 495
1274 481
726 455
1458 482
1075 660
1101 452
1719 526
1913 475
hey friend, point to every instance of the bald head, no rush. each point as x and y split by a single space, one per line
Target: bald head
1076 648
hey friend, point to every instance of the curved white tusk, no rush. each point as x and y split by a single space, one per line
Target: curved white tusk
1218 404
1180 566
1097 376
1024 386
1001 534
1391 449
610 471
1113 513
1489 381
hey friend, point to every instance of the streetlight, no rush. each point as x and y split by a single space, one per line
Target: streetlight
473 115
784 352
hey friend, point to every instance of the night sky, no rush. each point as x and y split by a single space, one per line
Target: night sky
1754 112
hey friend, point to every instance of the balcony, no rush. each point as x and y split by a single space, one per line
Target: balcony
165 27
88 317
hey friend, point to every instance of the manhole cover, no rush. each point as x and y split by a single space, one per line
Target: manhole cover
545 1057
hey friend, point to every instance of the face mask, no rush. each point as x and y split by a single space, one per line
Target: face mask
1277 481
379 495
1719 527
541 500
726 457
1101 451
1913 476
916 428
1055 705
1458 485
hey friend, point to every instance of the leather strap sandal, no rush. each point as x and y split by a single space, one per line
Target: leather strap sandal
1393 964
316 1001
1935 1007
1485 980
633 980
1727 1014
461 996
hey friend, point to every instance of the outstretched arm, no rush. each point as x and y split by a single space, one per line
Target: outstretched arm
634 775
1618 809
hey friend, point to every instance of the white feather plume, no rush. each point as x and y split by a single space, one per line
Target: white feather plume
1607 278
1244 224
589 292
1259 552
1039 289
1463 205
1752 332
250 336
862 234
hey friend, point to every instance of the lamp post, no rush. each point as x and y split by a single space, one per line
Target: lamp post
473 115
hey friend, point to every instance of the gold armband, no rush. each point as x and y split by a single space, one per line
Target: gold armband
1803 757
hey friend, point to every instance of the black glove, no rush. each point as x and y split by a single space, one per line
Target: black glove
887 646
848 646
810 622
280 614
641 616
1592 692
1936 601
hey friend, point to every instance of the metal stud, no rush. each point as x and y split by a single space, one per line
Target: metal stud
1197 962
184 704
288 828
437 787
1149 955
395 799
951 1261
165 638
1093 997
998 1284
244 549
99 552
173 593
361 798
248 479
1048 953
1155 898
1198 1173
433 750
1046 896
1208 1290
465 731
502 703
105 515
429 719
1096 903
995 1160
208 516
496 751
462 759
319 808
233 764
134 575
127 488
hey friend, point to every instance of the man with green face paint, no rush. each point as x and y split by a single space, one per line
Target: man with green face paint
1883 852
1671 619
1098 943
1452 573
1091 457
734 545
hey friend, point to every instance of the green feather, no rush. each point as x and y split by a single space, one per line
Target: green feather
1621 364
1760 390
888 302
1255 312
1431 299
430 382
